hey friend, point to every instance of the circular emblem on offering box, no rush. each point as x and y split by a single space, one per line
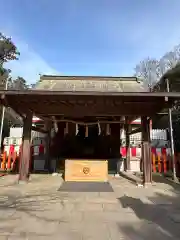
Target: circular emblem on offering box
86 170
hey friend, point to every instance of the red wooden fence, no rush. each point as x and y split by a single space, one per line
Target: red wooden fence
162 163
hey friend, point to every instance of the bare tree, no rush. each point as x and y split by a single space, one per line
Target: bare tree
169 60
148 71
151 70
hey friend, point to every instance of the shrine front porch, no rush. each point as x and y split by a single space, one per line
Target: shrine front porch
67 106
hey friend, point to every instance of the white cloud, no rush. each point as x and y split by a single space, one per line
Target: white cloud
30 64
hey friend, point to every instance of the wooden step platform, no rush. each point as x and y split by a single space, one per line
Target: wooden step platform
86 170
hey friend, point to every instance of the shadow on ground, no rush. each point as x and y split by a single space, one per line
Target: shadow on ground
25 214
158 178
30 204
130 178
155 211
160 215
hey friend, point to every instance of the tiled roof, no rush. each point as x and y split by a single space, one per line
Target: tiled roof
94 84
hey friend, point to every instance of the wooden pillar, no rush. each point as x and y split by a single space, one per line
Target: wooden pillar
128 156
146 153
66 129
86 131
103 129
72 129
48 126
26 149
115 147
115 136
108 129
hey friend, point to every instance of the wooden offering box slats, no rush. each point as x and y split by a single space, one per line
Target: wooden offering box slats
89 170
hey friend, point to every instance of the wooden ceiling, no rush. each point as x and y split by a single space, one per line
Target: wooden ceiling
86 104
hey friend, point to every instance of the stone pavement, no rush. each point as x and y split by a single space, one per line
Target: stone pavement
38 211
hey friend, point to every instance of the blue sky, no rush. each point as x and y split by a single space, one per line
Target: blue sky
88 37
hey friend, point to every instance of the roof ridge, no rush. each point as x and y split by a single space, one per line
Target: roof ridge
61 77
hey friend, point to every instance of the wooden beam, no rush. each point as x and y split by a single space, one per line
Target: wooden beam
136 130
85 103
88 123
102 106
38 129
95 111
7 105
56 94
162 113
43 118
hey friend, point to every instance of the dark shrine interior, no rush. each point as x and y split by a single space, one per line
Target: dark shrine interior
94 145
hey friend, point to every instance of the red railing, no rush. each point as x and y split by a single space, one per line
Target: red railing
162 163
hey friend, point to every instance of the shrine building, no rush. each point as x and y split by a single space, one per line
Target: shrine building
87 114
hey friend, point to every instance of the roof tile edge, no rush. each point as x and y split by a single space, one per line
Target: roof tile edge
95 78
